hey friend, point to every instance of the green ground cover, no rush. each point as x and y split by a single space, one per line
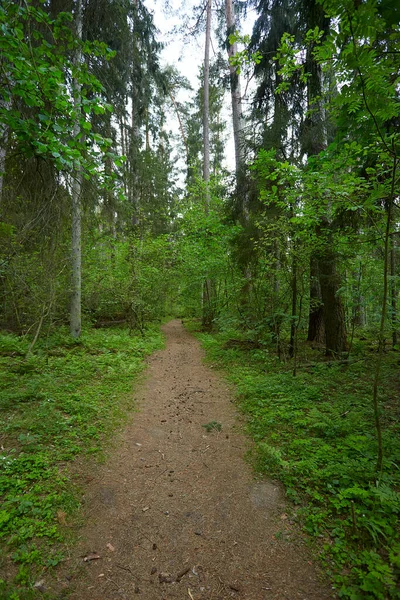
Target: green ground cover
315 432
62 401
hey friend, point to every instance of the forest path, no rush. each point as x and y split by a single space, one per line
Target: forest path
175 512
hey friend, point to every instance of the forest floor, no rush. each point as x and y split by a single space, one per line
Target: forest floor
176 512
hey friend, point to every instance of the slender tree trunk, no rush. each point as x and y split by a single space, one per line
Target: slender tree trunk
134 144
180 124
147 132
381 336
293 324
393 292
3 146
122 129
75 310
237 112
206 108
238 129
358 309
2 165
207 317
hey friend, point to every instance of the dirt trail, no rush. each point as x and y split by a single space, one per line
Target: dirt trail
175 513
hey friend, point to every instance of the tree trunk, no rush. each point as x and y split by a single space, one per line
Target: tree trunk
237 113
207 316
3 145
180 124
238 129
76 283
334 317
206 108
2 164
316 327
293 324
393 292
314 141
358 308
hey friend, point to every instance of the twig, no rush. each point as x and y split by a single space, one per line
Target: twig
125 569
182 573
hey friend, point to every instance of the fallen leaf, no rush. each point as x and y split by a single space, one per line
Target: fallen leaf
284 516
101 575
91 556
110 547
146 508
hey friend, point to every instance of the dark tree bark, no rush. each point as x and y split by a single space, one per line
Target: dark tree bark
329 279
316 325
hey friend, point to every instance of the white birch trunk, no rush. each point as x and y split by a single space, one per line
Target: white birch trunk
237 112
236 95
76 254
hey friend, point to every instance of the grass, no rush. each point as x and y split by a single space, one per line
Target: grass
315 432
61 402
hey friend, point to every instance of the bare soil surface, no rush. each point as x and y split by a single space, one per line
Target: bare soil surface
176 512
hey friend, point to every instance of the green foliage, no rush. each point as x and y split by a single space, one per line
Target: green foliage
202 249
212 426
243 57
61 403
131 280
320 442
36 100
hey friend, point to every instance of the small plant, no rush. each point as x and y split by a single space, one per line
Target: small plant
212 426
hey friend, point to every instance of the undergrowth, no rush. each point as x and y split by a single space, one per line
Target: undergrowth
315 432
60 402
